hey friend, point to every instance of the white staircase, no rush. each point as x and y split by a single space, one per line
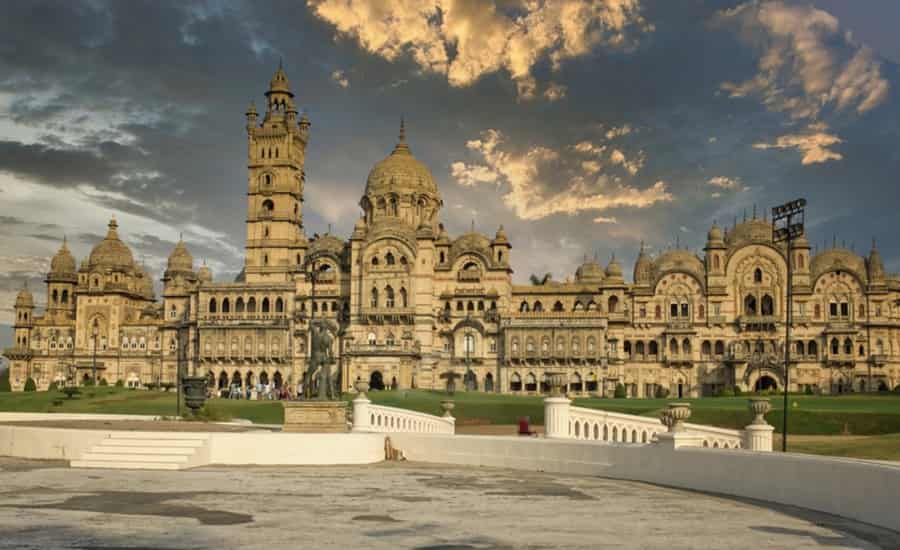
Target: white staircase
147 451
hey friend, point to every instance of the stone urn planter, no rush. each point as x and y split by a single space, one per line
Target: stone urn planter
675 416
448 405
361 386
557 382
194 388
759 406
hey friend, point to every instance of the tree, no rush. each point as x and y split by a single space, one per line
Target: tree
4 381
535 280
30 385
661 392
620 391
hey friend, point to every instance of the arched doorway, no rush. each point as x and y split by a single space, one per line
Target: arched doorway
470 380
489 382
277 380
376 381
223 380
766 383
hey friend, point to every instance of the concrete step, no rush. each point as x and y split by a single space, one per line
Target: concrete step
143 442
199 436
125 457
143 450
114 465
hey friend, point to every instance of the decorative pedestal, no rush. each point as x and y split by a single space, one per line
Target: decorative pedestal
758 437
556 417
676 440
315 416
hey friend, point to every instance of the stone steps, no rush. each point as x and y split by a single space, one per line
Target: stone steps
146 451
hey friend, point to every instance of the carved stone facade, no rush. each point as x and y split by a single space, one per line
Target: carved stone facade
409 306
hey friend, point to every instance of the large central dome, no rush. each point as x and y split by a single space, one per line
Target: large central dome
111 252
400 173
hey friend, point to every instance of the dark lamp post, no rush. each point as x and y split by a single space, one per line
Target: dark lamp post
787 225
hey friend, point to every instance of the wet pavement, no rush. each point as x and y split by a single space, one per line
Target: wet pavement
389 505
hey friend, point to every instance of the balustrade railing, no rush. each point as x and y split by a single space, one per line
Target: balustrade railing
381 419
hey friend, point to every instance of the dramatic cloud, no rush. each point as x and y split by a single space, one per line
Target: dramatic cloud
555 92
466 39
814 144
531 198
806 63
725 182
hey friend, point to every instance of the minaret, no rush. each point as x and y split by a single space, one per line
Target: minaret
276 244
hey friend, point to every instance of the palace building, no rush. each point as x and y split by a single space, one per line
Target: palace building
409 306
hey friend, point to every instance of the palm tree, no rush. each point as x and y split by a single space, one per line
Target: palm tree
535 280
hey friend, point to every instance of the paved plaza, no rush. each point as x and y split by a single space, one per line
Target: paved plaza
389 505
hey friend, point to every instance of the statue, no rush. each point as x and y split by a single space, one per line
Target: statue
320 359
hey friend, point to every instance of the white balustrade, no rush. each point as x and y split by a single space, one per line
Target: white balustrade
598 425
378 418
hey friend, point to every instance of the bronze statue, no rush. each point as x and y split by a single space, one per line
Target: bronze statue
320 359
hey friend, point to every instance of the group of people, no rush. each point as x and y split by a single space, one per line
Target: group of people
259 391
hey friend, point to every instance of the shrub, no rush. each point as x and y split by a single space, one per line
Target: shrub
808 390
53 386
736 391
88 381
30 385
120 383
103 382
6 387
661 392
620 391
208 414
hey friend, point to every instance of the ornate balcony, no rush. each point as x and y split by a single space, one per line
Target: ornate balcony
392 315
396 349
762 323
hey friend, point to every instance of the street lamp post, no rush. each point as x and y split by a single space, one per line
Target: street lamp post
95 333
787 224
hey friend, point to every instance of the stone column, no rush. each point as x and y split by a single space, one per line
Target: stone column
556 410
758 435
361 415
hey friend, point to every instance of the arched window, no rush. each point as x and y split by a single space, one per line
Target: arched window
268 206
529 344
65 296
460 306
279 305
371 339
403 300
389 296
835 347
686 346
373 300
393 203
251 305
812 348
627 348
469 343
226 305
673 346
374 260
55 296
523 307
750 305
757 275
653 348
799 348
719 348
443 257
389 339
768 305
265 305
613 304
578 306
212 305
470 306
558 306
515 345
389 259
538 306
705 348
848 347
480 305
239 305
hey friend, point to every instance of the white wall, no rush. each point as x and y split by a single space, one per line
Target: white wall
273 448
860 490
47 443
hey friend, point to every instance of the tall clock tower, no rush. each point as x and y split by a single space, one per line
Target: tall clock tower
276 152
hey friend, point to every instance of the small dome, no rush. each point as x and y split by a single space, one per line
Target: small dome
678 260
500 237
589 272
834 259
613 269
401 173
24 298
326 243
63 263
111 252
443 236
714 235
643 267
750 231
180 260
205 274
471 242
875 265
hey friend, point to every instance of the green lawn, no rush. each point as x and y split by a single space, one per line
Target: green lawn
859 414
878 447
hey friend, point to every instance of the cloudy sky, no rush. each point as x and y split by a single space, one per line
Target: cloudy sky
583 127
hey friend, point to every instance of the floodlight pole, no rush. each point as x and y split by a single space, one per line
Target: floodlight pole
791 216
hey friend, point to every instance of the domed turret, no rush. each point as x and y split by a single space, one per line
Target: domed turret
838 259
642 267
714 237
204 274
24 299
590 272
63 263
750 231
279 82
875 265
111 253
180 260
614 271
683 261
500 237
